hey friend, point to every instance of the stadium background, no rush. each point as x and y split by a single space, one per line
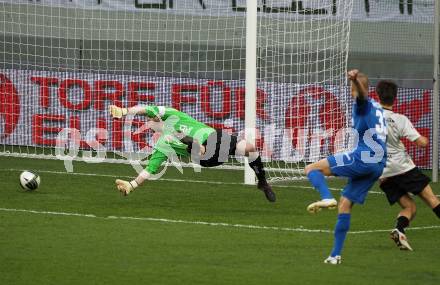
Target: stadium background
87 53
57 61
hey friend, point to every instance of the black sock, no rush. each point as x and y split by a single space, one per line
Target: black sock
436 210
257 166
402 223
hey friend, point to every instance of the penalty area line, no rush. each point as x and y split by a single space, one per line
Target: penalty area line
204 223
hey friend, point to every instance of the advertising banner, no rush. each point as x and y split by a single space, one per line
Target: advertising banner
295 122
418 11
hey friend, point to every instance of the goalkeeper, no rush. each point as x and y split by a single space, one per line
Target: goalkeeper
184 136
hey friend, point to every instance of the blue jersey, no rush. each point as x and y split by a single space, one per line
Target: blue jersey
364 165
369 122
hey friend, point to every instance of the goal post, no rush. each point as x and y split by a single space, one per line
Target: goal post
251 82
270 71
436 93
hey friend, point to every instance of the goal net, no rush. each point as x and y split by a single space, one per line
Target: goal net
63 62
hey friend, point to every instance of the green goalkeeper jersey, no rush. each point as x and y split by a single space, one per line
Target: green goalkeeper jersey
168 146
175 120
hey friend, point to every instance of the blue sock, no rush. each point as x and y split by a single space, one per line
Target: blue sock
341 229
318 181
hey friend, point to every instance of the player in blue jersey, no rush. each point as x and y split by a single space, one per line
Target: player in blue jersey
362 166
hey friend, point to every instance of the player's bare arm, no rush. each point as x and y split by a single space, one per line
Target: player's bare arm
359 84
422 141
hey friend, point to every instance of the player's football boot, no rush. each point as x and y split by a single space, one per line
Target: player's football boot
400 240
268 192
124 186
334 260
324 203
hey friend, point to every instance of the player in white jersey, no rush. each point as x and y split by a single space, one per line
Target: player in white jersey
401 176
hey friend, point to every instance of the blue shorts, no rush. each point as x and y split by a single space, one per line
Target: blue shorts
361 176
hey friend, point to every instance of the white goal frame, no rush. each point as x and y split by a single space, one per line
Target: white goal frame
251 116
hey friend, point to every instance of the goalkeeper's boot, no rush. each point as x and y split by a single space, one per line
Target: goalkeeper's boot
124 186
400 240
268 192
334 260
324 203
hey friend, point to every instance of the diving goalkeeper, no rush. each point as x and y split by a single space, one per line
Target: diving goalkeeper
182 135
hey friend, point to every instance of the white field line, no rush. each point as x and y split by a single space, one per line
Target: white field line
214 224
172 180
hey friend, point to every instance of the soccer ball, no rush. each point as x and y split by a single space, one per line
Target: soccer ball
29 181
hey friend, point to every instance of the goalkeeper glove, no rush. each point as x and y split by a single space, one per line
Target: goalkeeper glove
126 187
117 112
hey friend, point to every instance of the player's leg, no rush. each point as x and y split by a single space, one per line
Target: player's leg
396 189
355 192
315 173
341 228
430 199
244 148
221 144
407 213
193 146
322 166
339 165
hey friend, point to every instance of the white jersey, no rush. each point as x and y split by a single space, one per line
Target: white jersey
398 160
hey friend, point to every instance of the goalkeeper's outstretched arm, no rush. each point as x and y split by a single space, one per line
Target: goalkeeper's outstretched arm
125 187
118 112
154 163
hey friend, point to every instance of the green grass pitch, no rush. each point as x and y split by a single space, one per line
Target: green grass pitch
77 229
